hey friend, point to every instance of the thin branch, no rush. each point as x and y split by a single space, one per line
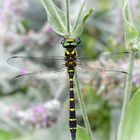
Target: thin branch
82 106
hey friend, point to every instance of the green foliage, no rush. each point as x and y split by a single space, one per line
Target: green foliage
98 112
132 38
79 28
132 120
82 134
83 107
26 24
131 44
57 19
4 136
7 135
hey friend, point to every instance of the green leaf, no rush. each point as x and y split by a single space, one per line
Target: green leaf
79 14
132 35
82 134
132 32
77 31
132 121
4 136
136 44
56 17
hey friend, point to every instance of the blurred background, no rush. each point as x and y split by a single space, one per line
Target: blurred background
32 110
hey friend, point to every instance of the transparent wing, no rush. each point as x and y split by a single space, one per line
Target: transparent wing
99 76
36 71
105 64
32 64
109 71
40 79
40 70
108 57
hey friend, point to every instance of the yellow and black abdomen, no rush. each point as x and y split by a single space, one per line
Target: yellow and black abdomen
72 113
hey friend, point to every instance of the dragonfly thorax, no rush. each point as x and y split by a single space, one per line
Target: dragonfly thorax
70 58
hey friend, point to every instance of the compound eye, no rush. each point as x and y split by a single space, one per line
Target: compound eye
66 44
74 44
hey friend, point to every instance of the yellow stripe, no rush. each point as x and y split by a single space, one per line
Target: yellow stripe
67 52
71 99
70 63
71 79
71 70
71 89
72 120
70 40
72 52
72 109
73 128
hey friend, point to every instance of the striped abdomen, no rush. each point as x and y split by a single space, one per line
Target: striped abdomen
72 113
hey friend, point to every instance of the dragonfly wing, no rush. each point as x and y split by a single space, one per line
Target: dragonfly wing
36 71
105 58
108 72
31 64
100 76
40 78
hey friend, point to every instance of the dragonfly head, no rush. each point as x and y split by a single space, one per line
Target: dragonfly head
69 43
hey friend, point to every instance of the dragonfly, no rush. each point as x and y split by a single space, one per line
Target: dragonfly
69 67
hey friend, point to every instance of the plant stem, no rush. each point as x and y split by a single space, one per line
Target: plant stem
128 85
82 106
127 94
67 17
